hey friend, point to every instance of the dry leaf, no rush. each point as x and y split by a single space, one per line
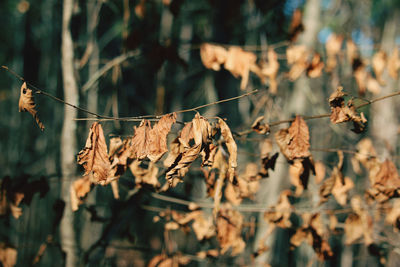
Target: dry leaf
8 255
140 140
245 185
393 216
315 67
260 127
339 190
157 140
297 57
319 172
379 64
213 56
239 63
394 63
229 228
144 176
312 232
232 148
280 216
78 192
94 156
294 141
333 46
270 70
385 182
27 103
373 85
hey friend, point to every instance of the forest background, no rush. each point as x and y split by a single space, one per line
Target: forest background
132 58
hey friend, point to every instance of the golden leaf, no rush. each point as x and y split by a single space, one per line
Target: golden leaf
140 140
78 192
8 255
229 228
378 64
27 103
213 56
239 62
94 156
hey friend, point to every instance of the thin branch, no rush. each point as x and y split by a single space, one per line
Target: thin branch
116 61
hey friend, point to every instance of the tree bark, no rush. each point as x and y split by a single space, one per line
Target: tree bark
68 136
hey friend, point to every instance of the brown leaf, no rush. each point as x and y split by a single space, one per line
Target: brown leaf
333 46
339 190
247 184
94 156
297 58
315 67
232 148
393 216
319 172
239 62
260 127
157 140
140 140
27 103
8 255
78 191
270 70
213 56
394 63
144 176
294 141
299 173
229 228
378 64
280 216
385 182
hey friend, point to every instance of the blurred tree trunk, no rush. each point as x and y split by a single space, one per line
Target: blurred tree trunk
68 136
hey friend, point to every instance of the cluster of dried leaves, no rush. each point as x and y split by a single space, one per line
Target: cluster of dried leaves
240 63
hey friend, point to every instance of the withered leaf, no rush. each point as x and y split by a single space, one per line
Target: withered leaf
94 156
8 255
294 141
280 215
270 70
245 186
78 192
157 140
320 171
297 58
229 227
27 103
333 45
239 63
140 140
260 127
299 173
394 63
385 182
144 176
232 147
213 56
378 64
315 67
296 26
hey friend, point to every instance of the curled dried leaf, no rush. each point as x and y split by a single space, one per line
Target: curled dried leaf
315 67
144 176
27 103
260 127
78 192
232 147
280 216
229 227
94 156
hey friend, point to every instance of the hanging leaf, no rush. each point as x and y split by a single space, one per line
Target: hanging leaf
213 56
27 103
296 25
320 171
294 141
297 58
78 191
281 212
229 228
270 70
94 156
379 64
232 148
8 255
139 145
260 127
157 140
239 63
144 176
394 63
333 46
315 67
